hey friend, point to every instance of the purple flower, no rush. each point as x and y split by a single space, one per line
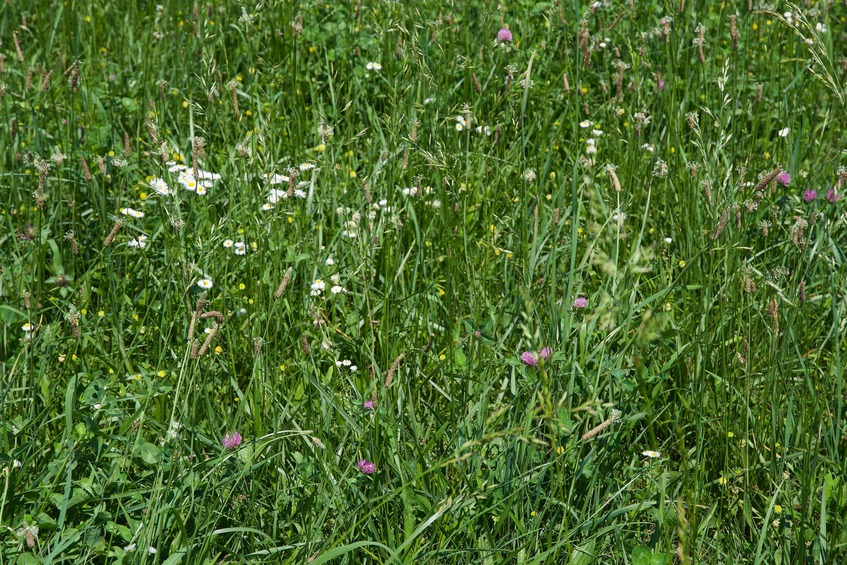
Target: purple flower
369 404
661 85
504 35
366 467
809 195
784 178
232 440
529 359
580 303
832 196
545 352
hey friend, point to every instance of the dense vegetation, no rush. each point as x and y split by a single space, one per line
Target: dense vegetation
423 282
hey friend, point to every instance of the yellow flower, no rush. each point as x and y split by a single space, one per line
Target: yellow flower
722 481
442 357
320 148
143 196
730 434
441 292
219 350
681 263
241 286
755 26
101 313
282 367
352 174
161 373
560 450
777 509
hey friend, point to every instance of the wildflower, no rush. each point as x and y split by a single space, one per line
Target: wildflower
318 287
337 289
783 178
366 467
504 35
651 454
160 186
668 240
231 440
228 243
647 147
545 352
27 328
529 359
832 196
809 195
777 509
580 303
372 66
306 166
131 212
267 206
205 284
529 175
139 242
585 124
784 132
369 405
330 261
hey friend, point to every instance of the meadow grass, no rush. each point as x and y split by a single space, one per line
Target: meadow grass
378 282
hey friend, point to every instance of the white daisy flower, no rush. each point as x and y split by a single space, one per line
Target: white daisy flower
337 289
299 193
651 454
27 327
267 206
160 186
205 284
353 368
228 243
241 251
330 261
278 179
346 363
131 212
429 100
306 166
373 66
201 190
784 132
139 242
585 124
318 287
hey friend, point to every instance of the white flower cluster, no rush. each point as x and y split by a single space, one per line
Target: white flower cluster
347 363
277 194
200 185
239 246
139 242
132 213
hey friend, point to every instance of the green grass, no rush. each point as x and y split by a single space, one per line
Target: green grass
113 411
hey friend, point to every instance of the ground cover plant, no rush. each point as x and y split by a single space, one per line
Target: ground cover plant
422 282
